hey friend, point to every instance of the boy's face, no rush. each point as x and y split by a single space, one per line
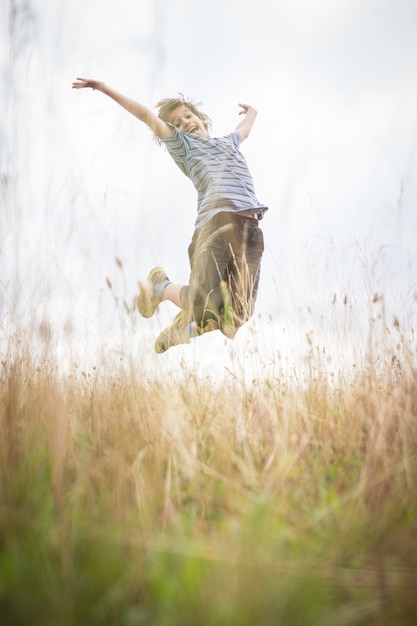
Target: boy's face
187 122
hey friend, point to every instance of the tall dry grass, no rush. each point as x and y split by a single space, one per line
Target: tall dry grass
186 502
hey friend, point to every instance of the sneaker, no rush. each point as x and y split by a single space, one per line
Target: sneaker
175 334
147 300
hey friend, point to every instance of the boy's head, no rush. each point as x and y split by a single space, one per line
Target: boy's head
172 108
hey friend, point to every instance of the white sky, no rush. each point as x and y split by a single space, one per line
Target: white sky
333 152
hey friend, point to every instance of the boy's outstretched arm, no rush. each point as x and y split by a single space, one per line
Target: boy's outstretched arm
244 127
142 112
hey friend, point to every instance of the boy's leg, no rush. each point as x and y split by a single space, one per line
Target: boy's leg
225 261
186 324
209 257
202 299
247 247
172 292
225 272
157 288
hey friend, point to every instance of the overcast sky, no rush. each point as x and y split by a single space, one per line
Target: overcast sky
333 151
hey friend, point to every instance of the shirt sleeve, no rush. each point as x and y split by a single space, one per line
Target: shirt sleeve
177 148
236 138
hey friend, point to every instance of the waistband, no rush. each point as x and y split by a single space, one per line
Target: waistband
255 216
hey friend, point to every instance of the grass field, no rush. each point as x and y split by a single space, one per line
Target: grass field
127 502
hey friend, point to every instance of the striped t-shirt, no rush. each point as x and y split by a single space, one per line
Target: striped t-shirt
218 171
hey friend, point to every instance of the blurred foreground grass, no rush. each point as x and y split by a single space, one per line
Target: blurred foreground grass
126 502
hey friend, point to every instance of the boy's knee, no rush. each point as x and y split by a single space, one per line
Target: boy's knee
229 330
230 325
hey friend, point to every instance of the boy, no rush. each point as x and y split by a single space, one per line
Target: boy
226 249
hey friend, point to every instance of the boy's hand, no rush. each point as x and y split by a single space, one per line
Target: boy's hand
245 125
82 83
246 108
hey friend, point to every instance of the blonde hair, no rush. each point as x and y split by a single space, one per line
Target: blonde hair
167 105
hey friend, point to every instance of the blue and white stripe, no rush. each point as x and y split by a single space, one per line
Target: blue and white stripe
218 171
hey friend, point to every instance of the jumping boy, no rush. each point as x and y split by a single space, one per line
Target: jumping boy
226 249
